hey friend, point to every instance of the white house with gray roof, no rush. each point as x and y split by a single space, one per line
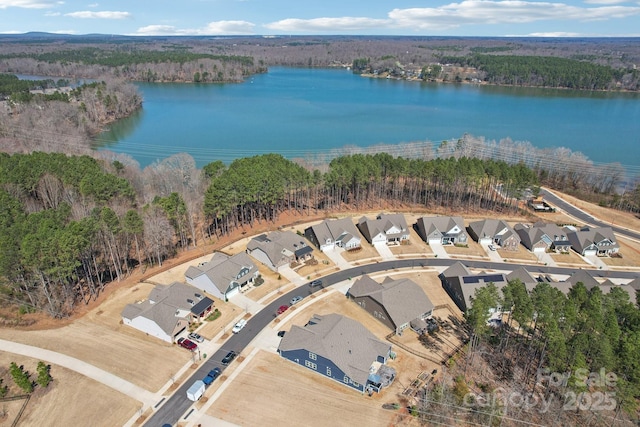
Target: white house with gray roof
494 231
442 229
341 349
168 310
224 275
335 232
590 241
385 228
395 303
542 237
279 248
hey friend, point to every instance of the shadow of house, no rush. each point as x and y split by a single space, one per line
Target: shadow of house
395 303
168 311
339 348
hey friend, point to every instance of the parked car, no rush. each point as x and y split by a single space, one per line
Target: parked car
196 337
238 326
492 248
295 300
229 357
282 309
281 333
188 344
211 376
315 283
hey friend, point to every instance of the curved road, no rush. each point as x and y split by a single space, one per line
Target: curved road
174 408
585 217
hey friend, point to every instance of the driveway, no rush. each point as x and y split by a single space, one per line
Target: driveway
439 250
291 275
545 259
596 262
384 251
335 255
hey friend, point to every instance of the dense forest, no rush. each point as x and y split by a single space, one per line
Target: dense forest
575 352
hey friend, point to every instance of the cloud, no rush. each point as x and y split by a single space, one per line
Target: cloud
213 28
28 4
556 34
52 14
470 12
466 12
605 1
85 14
327 24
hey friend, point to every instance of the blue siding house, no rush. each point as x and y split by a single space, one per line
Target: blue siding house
341 349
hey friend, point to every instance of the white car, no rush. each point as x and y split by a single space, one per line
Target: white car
492 248
196 337
238 326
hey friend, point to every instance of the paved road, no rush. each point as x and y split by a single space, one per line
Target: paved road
585 217
172 411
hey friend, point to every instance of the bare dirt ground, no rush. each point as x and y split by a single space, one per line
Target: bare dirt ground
58 403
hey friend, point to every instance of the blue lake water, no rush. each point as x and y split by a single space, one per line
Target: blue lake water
300 112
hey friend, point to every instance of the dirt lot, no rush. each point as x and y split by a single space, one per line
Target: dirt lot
52 406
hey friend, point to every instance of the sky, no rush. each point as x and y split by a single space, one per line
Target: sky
491 18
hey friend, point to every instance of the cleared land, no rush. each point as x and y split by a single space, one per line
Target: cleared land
69 398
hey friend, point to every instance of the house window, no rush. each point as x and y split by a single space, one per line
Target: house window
311 365
313 356
328 371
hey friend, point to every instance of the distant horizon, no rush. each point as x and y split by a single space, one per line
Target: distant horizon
464 18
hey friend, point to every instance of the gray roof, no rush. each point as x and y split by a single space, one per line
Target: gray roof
279 243
549 233
163 303
223 269
383 224
403 299
457 269
492 228
602 237
340 339
441 224
583 276
335 230
523 275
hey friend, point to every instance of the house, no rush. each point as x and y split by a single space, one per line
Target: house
461 284
442 229
167 311
543 237
279 248
393 302
331 233
494 231
223 276
341 349
385 228
590 241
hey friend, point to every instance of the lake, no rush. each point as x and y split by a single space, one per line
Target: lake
302 112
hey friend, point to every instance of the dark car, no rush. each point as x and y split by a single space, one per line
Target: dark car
188 344
281 333
211 376
229 357
315 283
